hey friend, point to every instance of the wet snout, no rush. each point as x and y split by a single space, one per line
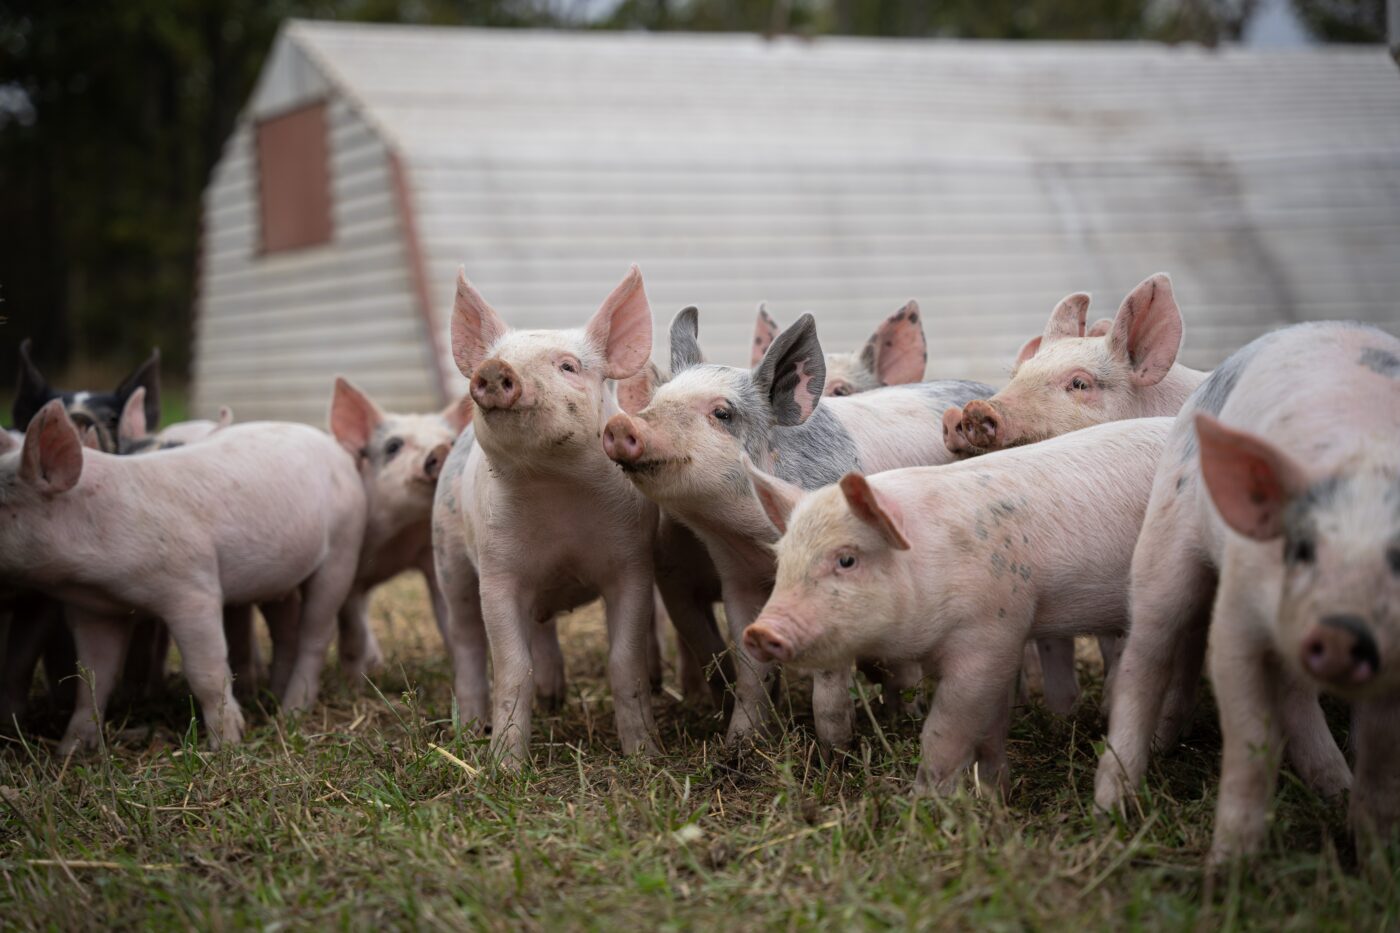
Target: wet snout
495 386
1340 650
622 439
983 426
432 463
953 437
767 643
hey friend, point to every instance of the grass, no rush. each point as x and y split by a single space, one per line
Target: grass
374 812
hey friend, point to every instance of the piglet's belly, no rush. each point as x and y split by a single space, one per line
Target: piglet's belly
268 575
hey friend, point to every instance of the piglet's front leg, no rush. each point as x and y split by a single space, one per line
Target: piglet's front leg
506 611
972 699
629 606
1375 796
102 642
1246 684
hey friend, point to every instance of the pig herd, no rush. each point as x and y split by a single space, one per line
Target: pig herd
848 513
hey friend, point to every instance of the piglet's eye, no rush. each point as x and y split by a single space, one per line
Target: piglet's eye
846 561
393 446
1393 557
568 367
841 390
722 414
1080 384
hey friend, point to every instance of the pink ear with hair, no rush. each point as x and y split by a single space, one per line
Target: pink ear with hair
621 327
1028 349
132 424
1250 481
1100 328
458 414
764 330
90 440
777 496
901 352
353 417
52 457
475 326
878 511
1147 330
1067 320
634 393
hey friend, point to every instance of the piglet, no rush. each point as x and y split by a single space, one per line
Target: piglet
249 515
1275 522
530 518
956 567
400 458
685 452
1072 377
895 354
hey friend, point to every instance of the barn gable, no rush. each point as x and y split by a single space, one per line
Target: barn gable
837 175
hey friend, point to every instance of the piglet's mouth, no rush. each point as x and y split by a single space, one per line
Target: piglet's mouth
651 467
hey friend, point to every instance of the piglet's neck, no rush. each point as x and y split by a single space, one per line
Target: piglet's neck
1167 396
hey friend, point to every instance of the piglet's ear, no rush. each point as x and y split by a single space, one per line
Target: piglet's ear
225 417
146 376
793 372
353 417
877 511
1067 320
52 458
132 424
621 328
685 340
897 352
778 497
1250 481
1028 349
1146 331
8 442
33 390
475 326
634 393
764 330
90 438
458 414
1100 328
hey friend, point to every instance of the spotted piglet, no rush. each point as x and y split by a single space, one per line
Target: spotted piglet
685 451
954 567
1275 522
531 519
895 354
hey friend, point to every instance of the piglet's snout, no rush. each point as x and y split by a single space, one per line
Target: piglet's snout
982 425
767 644
953 437
1341 650
495 386
622 441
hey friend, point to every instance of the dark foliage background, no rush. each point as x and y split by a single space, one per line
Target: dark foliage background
112 115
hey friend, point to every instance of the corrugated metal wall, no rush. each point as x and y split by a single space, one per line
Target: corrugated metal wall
846 176
273 330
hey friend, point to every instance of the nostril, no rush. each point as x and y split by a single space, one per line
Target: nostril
507 384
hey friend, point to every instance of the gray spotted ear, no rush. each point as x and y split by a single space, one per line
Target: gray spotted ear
685 340
792 373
